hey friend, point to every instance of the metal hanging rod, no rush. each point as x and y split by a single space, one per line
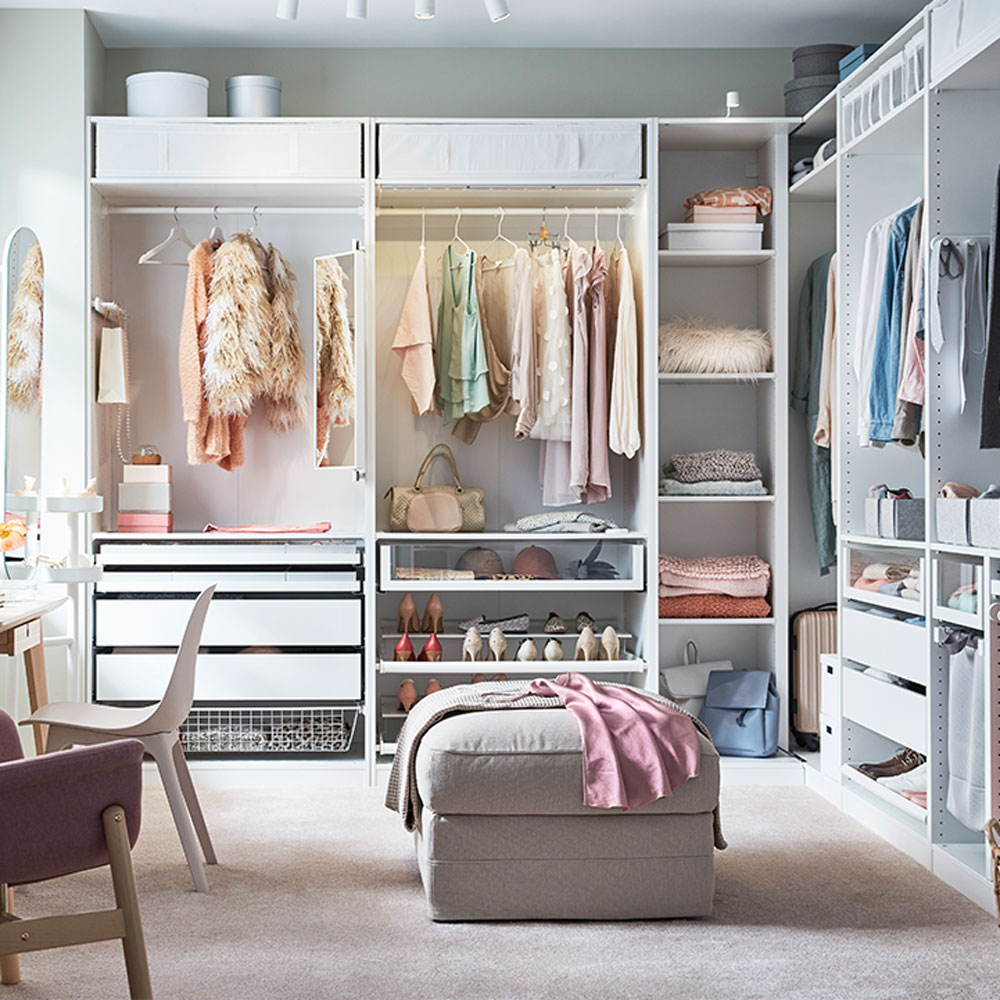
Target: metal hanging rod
554 211
234 210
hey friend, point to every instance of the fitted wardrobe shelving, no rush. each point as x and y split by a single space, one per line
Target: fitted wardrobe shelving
920 149
702 412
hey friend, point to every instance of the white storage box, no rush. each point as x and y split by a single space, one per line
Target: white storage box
572 151
960 28
166 95
712 236
147 473
894 712
253 96
952 514
887 644
145 498
228 150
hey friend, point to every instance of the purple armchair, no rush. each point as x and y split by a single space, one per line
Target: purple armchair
63 813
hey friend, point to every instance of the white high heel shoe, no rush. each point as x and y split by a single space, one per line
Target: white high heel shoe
527 651
498 645
472 646
610 646
553 651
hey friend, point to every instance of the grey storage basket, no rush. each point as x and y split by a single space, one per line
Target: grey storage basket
872 519
984 522
951 515
903 519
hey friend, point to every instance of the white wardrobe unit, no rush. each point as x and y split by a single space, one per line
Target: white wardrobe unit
439 181
282 660
925 697
697 412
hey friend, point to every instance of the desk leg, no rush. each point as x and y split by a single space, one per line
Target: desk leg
38 686
10 965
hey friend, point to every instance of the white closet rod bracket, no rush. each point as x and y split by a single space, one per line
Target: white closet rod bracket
235 210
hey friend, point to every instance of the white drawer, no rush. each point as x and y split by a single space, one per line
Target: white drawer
896 713
829 745
886 643
960 28
228 677
228 554
829 684
228 582
253 622
228 150
514 151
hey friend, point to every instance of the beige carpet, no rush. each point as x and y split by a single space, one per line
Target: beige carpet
318 896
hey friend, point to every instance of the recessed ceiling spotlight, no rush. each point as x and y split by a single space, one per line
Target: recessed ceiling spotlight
424 9
497 9
357 10
288 10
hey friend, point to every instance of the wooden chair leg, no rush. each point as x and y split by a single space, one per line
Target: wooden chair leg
194 806
123 878
10 965
162 752
38 687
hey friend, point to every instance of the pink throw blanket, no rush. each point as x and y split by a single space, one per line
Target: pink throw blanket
635 750
272 529
677 572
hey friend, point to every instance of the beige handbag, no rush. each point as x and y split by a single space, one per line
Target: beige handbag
436 508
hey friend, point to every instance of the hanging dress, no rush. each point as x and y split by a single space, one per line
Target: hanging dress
552 330
414 340
578 266
623 419
460 360
598 487
523 347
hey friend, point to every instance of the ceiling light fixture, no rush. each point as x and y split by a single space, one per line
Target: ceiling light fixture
357 10
423 9
288 10
497 9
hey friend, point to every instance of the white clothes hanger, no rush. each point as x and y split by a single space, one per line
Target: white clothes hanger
176 235
255 221
499 236
618 230
457 237
216 236
597 240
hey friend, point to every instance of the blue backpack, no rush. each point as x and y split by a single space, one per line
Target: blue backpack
741 712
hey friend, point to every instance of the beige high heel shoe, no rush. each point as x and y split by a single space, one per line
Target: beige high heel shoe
433 616
472 645
432 685
407 695
610 646
478 678
527 651
408 621
553 651
498 645
586 644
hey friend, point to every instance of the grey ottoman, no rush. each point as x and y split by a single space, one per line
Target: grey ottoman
504 834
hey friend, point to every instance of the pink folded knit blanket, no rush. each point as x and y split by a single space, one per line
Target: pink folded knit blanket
271 529
756 587
677 572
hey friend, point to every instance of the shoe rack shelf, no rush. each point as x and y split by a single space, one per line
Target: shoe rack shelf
626 664
885 794
535 631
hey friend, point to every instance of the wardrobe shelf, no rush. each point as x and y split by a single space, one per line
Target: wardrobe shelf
509 586
714 258
537 193
472 537
716 621
975 856
533 633
198 192
231 537
964 550
959 619
900 133
719 135
716 499
894 799
820 121
819 185
888 543
707 377
914 608
531 668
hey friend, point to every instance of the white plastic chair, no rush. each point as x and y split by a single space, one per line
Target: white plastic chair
74 723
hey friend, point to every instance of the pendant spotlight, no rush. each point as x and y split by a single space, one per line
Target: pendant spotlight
288 10
357 10
497 9
423 9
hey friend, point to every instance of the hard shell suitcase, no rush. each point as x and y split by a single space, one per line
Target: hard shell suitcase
813 632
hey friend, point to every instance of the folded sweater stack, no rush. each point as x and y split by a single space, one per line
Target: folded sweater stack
890 579
712 473
714 587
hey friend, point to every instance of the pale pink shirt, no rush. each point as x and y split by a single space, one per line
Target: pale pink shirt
414 340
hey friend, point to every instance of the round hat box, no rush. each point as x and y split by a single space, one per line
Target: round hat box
164 94
253 96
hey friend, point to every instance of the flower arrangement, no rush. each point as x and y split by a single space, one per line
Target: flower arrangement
12 534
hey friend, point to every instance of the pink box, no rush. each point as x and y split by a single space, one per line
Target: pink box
735 215
145 522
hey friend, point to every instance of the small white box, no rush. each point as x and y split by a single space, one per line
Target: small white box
713 236
145 498
147 474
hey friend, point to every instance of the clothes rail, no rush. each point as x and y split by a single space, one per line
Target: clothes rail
234 210
555 212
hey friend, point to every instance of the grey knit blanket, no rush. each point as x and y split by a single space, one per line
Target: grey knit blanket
401 793
699 466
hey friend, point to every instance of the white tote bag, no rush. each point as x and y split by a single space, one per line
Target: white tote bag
112 373
686 682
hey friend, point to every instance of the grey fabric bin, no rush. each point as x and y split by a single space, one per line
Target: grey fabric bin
951 515
903 519
819 60
984 522
872 517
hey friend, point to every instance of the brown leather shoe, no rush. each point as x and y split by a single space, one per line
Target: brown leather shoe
905 760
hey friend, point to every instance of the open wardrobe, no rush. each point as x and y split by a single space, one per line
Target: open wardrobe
525 468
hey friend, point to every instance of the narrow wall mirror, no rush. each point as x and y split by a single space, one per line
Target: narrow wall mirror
23 305
339 414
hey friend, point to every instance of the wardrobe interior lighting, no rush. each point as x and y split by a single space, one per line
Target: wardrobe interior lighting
497 9
423 9
288 10
357 10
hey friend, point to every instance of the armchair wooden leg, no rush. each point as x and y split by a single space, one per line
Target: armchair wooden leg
38 687
10 965
123 877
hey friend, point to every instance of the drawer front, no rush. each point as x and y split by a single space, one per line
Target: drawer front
896 713
886 643
232 554
275 622
829 694
611 150
227 677
229 150
116 581
829 745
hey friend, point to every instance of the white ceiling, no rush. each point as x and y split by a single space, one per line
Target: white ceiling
463 23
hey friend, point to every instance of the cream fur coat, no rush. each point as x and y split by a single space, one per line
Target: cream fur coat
24 335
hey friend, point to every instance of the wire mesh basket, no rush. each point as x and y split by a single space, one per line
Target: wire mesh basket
269 730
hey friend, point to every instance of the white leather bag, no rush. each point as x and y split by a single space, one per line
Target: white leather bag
686 683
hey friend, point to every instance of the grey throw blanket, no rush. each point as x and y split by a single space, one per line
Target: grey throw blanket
401 793
703 466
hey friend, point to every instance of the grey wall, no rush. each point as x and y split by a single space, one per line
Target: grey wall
481 82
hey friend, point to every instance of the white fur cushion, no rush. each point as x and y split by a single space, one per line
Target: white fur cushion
695 345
